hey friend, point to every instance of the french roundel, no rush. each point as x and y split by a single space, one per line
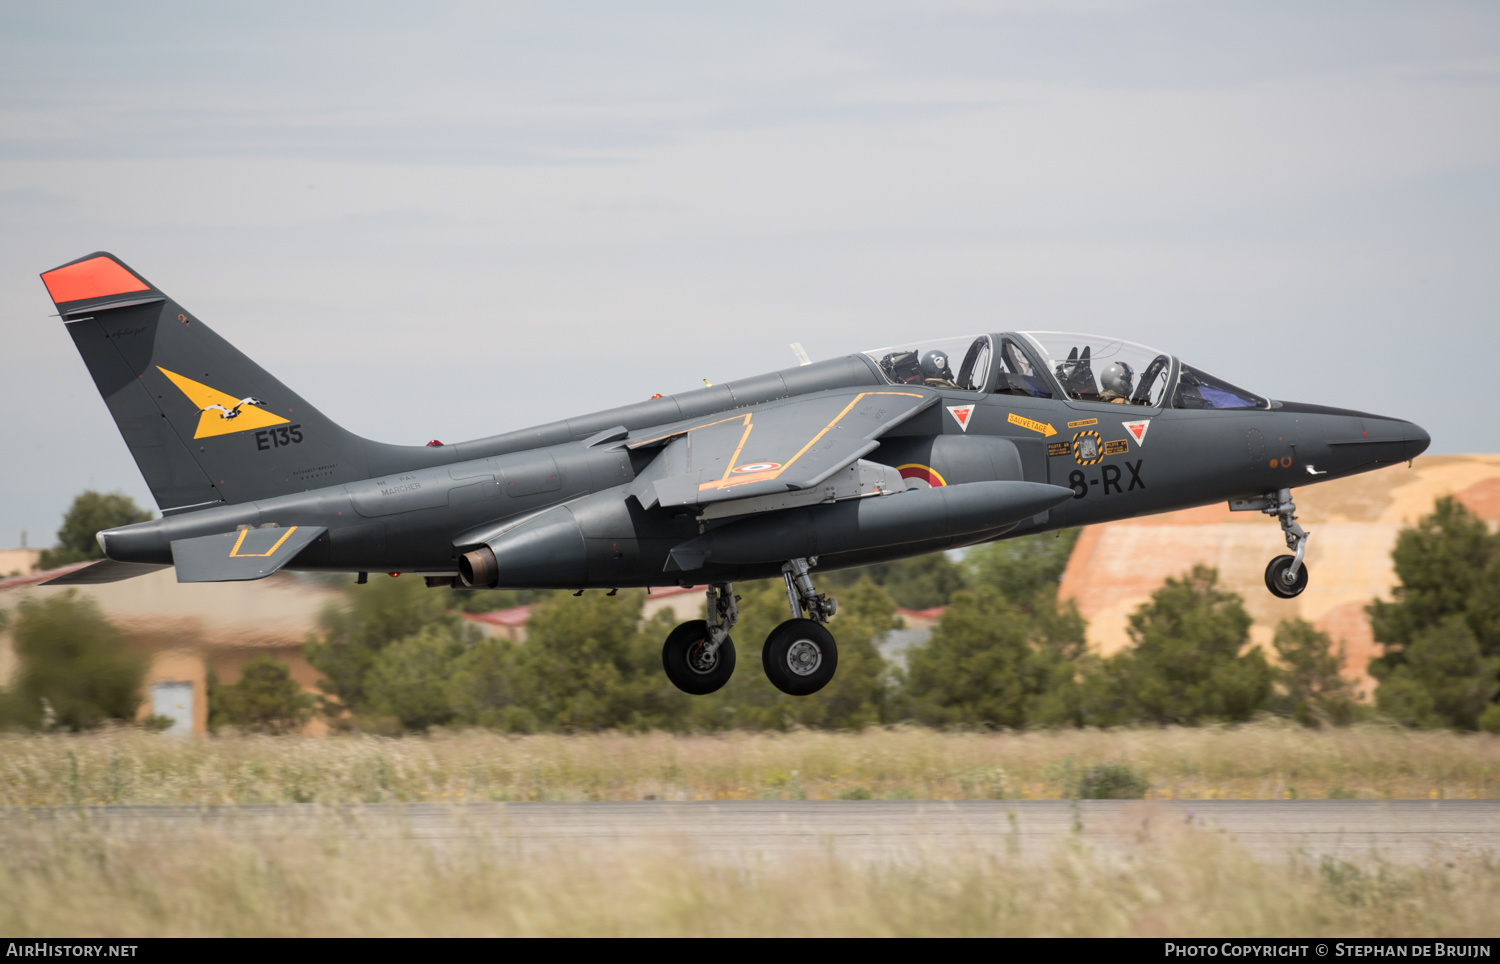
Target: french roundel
756 467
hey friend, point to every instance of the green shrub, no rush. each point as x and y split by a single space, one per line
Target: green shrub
990 662
409 680
1112 781
265 699
353 636
74 670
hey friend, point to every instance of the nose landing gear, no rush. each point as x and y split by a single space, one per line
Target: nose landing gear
800 656
698 655
1286 576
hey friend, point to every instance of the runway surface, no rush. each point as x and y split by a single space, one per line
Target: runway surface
1354 830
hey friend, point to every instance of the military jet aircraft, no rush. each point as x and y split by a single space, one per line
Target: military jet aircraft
919 447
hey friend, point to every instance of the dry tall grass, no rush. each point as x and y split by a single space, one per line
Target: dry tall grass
67 877
1263 761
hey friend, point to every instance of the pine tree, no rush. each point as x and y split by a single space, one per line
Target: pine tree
1309 686
265 699
1187 665
1441 630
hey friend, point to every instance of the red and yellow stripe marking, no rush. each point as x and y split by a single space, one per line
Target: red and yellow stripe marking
928 474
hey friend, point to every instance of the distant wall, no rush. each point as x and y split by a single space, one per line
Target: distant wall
18 562
1353 524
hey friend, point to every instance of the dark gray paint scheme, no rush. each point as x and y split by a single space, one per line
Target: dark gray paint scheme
576 503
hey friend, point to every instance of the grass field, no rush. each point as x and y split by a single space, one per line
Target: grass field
1263 761
68 877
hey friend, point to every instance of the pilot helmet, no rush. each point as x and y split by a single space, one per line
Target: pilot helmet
1118 378
935 365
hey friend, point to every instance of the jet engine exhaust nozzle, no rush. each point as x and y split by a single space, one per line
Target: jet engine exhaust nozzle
478 569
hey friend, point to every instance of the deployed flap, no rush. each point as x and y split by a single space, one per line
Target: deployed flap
765 449
239 555
105 570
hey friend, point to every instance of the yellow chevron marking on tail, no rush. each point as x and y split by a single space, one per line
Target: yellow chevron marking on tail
221 414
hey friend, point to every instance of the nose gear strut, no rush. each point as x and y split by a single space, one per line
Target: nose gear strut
1286 576
1296 537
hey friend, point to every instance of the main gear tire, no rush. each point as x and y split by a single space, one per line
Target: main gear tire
800 657
1276 571
689 664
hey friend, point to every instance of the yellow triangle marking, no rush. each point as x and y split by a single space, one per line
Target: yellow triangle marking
213 422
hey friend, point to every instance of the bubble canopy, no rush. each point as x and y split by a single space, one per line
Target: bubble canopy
1096 368
1086 368
961 363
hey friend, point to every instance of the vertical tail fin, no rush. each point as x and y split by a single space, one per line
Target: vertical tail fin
204 423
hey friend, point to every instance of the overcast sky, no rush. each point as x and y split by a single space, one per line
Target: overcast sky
452 220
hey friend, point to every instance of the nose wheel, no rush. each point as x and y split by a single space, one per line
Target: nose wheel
1282 581
800 656
1286 576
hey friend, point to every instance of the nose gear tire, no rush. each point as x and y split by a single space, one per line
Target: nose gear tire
1276 581
800 657
688 664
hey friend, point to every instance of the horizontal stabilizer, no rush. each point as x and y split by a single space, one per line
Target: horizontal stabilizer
241 554
105 570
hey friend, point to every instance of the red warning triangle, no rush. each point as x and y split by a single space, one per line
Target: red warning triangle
961 414
1137 430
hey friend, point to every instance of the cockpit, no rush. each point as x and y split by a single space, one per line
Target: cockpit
932 363
1052 364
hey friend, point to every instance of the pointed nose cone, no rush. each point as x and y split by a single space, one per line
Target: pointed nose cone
1394 439
1337 442
1417 439
1383 441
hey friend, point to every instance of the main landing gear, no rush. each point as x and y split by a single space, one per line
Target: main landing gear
799 656
1286 576
699 655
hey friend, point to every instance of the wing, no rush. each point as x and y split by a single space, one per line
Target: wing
772 448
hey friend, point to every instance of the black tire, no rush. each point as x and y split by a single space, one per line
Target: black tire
1278 586
800 657
681 658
